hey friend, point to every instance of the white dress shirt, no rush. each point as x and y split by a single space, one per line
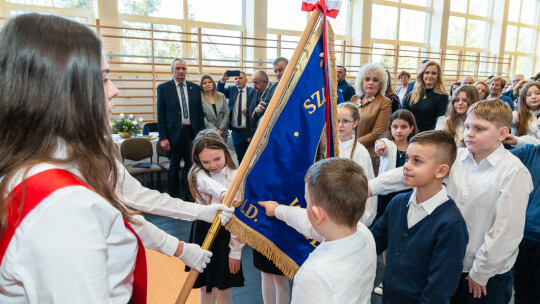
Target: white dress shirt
340 271
492 197
234 114
131 193
211 196
72 248
185 121
361 156
533 124
418 212
527 140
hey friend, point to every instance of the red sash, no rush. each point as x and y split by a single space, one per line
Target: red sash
40 186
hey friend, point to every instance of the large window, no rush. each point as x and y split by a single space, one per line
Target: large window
521 35
469 27
155 8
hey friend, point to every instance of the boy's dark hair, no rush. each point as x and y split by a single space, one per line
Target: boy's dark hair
340 187
407 116
443 142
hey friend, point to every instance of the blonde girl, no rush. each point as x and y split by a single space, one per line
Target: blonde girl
463 97
349 147
212 158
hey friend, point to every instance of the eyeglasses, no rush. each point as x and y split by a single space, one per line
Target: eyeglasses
345 123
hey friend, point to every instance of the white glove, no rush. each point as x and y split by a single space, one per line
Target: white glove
195 257
208 213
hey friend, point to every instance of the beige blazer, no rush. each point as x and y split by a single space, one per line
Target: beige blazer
373 124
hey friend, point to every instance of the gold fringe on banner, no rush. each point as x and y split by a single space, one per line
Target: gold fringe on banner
333 83
260 243
249 235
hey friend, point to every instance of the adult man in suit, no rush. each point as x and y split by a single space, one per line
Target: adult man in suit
180 118
346 88
242 101
280 64
515 79
261 83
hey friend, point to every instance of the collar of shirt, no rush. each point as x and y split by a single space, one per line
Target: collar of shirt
223 171
492 159
431 204
177 83
347 144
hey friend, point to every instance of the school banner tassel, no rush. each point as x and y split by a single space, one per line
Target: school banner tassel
290 144
299 124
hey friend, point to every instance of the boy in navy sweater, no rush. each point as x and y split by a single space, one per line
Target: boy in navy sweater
491 188
527 267
424 231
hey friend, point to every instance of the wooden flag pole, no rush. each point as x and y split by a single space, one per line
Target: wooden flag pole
255 141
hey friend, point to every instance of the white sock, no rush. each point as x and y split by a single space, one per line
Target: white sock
268 288
207 297
283 292
223 296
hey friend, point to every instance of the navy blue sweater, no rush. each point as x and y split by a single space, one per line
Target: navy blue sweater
530 157
424 263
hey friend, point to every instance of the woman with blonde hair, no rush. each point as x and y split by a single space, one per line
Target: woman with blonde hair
428 100
483 90
215 107
374 108
453 122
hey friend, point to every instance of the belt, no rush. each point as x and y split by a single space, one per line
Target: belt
239 129
186 126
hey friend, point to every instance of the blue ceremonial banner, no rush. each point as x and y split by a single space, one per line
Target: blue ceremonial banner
289 147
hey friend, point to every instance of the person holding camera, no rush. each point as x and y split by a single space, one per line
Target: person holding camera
242 100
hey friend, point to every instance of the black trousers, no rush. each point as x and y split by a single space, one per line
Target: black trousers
527 273
180 151
499 290
240 143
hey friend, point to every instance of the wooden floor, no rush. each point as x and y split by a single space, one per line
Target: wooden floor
166 277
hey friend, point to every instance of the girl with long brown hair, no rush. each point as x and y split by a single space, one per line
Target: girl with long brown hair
75 242
453 122
525 118
211 158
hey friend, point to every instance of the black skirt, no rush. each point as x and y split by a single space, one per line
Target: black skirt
216 273
264 264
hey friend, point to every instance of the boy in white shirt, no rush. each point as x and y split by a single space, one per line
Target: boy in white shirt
491 188
342 268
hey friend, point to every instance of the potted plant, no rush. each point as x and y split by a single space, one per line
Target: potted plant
126 125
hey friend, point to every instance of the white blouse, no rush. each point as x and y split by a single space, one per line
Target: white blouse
72 248
211 195
533 124
361 156
441 125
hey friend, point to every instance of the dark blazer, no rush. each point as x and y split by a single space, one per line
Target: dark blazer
231 92
170 114
266 97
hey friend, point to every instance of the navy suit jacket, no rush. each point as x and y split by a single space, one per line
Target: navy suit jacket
231 92
170 113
